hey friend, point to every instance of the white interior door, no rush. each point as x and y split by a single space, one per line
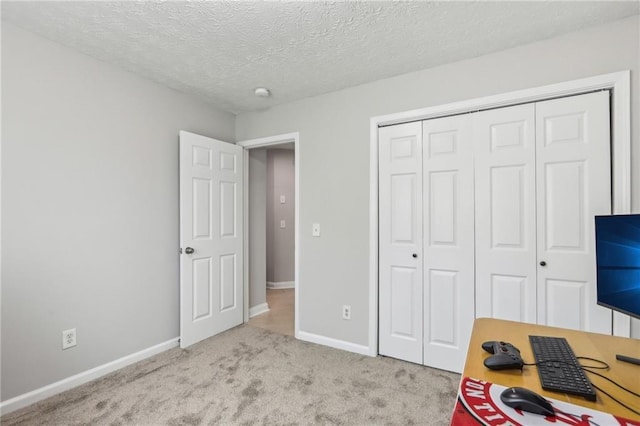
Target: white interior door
505 213
574 185
447 161
211 241
400 216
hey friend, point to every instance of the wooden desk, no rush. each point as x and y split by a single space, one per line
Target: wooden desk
598 346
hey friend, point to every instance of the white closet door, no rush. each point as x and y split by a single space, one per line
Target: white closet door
504 141
574 185
400 216
447 161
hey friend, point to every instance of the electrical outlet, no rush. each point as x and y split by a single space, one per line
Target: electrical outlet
69 338
346 312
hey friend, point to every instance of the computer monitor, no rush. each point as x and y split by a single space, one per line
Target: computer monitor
618 262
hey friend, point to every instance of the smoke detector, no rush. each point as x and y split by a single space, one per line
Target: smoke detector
262 92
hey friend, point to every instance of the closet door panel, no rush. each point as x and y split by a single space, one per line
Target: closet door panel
400 242
567 303
512 288
564 195
574 185
443 296
448 241
508 221
504 145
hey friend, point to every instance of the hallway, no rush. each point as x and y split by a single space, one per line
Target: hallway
280 318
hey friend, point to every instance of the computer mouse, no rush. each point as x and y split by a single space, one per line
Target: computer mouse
526 400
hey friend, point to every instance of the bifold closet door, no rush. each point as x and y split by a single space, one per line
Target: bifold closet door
501 202
504 140
542 173
400 241
448 265
573 185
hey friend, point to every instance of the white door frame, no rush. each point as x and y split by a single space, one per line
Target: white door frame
261 143
618 83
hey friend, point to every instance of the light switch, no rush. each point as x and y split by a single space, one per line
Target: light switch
282 199
283 224
315 230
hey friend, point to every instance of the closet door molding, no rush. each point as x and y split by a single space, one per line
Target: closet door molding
619 85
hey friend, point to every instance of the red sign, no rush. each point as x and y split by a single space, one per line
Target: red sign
479 404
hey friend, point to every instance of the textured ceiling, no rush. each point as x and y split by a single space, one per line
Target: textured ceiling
220 51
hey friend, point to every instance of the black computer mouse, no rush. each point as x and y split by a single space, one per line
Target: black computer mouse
526 400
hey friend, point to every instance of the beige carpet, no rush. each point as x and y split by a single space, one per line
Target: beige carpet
250 376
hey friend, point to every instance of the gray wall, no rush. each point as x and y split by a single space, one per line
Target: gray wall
280 241
257 226
334 153
89 209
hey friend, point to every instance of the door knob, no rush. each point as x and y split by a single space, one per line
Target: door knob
414 255
189 250
543 263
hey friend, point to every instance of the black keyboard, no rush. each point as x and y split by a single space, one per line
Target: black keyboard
558 367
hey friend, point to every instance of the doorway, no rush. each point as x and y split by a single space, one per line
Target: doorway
272 240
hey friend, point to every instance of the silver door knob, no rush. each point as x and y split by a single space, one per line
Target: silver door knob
189 250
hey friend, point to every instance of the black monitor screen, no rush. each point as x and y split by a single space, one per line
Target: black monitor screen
618 262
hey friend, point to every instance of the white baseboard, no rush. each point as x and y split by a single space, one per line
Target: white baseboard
281 284
258 309
334 343
44 392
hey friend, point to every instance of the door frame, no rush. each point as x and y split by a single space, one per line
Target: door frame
619 83
271 141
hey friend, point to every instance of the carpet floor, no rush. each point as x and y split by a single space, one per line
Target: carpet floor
250 376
